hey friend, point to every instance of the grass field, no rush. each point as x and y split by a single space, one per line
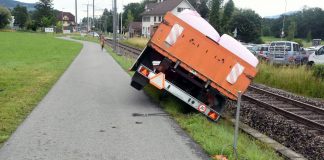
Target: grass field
136 42
299 80
30 64
270 39
214 138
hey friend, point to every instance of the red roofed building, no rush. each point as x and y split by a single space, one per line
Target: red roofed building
68 20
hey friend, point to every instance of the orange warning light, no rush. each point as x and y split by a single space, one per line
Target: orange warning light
213 115
145 72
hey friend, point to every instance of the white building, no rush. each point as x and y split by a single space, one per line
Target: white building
154 13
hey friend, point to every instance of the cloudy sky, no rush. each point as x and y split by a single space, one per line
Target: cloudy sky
262 7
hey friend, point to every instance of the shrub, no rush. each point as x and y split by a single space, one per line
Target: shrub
299 41
5 17
318 71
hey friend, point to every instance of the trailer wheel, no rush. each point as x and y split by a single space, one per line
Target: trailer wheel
139 81
136 85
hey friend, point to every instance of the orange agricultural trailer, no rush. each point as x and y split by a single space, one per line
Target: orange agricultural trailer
191 66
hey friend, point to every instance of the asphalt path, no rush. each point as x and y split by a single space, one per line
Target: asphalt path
87 115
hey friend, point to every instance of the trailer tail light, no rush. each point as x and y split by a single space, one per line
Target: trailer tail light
144 71
213 115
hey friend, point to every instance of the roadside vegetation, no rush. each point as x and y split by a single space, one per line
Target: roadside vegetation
136 42
215 138
302 42
297 79
30 64
85 38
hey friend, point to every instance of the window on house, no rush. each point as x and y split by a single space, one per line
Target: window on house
146 19
160 19
180 9
154 18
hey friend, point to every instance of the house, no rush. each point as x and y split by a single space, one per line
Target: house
154 12
68 20
134 29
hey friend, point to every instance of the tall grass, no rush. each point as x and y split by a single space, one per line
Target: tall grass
136 42
300 80
269 39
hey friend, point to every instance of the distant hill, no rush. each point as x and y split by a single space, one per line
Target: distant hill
12 3
278 16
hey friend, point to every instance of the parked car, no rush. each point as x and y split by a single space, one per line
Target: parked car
317 57
93 34
263 53
284 52
302 57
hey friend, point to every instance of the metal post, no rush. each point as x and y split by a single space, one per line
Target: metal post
76 14
88 16
93 24
237 119
62 21
115 23
121 23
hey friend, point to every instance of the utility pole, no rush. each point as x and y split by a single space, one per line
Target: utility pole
121 23
62 21
93 14
76 14
88 16
115 24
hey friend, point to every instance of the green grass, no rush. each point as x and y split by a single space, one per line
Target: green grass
136 42
299 80
213 137
268 39
86 38
30 64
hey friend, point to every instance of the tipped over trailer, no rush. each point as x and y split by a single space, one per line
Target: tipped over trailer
187 58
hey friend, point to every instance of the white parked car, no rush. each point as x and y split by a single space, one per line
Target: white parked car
317 57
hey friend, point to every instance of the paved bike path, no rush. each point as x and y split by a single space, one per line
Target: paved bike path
88 115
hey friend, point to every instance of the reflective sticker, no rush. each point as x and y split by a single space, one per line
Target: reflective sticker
175 32
158 80
236 71
156 63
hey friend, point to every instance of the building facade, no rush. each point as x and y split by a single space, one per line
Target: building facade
67 19
154 13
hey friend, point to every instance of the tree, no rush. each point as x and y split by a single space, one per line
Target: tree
228 12
21 16
130 18
5 17
308 19
200 7
309 36
136 9
248 24
215 17
44 14
292 29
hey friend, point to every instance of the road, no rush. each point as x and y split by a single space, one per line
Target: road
88 115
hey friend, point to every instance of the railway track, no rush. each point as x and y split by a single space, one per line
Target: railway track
125 49
303 113
306 114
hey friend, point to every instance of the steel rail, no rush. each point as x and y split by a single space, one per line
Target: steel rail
289 114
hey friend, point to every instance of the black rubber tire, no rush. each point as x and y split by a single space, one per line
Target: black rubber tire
136 85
